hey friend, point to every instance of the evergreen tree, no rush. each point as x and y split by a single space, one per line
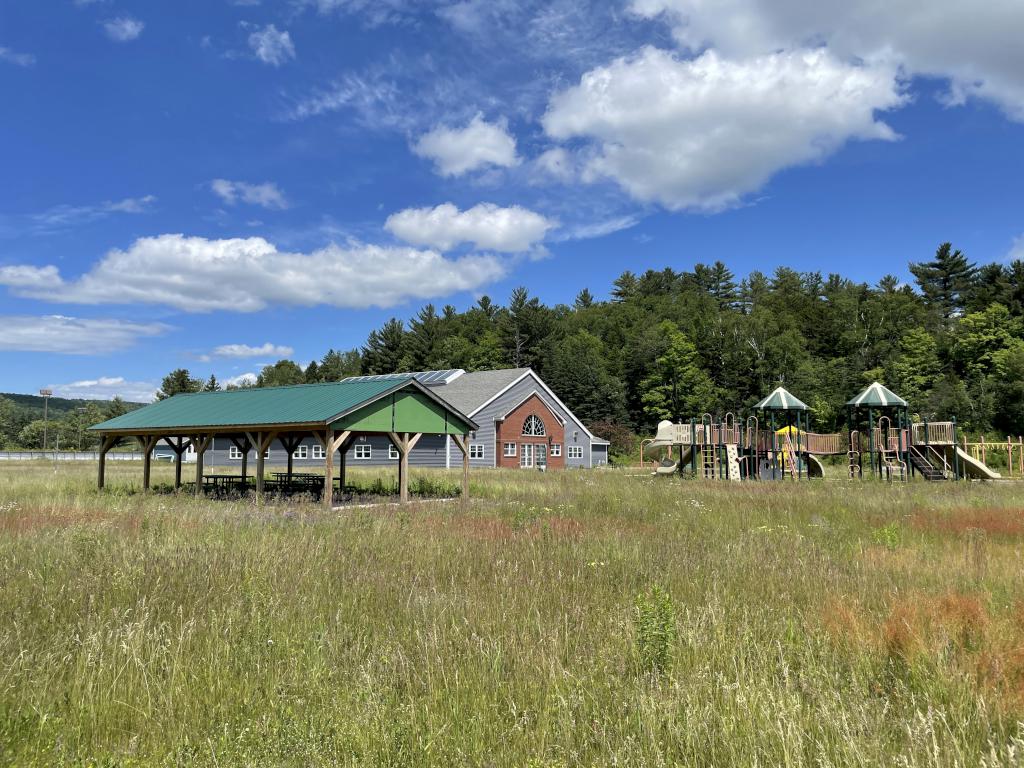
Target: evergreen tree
624 287
383 350
945 281
422 342
8 421
486 306
212 385
679 385
116 407
579 374
335 366
918 369
313 373
584 299
177 382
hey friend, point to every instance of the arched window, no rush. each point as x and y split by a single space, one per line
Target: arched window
533 426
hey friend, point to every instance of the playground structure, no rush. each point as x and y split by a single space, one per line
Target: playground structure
775 443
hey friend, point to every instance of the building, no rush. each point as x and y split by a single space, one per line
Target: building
521 424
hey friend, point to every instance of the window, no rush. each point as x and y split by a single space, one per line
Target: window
234 453
393 453
476 451
575 452
533 426
526 456
556 449
302 452
319 452
364 451
510 449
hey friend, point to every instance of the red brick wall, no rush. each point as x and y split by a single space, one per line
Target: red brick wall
511 431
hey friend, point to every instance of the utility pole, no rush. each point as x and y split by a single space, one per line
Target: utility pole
46 394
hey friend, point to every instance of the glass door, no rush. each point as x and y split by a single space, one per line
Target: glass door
525 455
542 456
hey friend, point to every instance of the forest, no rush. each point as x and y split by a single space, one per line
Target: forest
673 344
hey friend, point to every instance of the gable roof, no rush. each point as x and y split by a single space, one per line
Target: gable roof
876 395
301 404
471 391
781 399
536 394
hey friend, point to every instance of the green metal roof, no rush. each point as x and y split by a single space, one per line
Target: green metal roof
877 396
781 400
299 404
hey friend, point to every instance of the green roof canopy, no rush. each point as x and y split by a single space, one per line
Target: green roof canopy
877 396
395 404
781 400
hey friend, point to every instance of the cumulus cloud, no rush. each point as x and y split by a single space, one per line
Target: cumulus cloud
456 151
107 388
556 163
265 195
72 336
486 226
1017 249
196 274
242 380
975 45
244 350
123 28
701 133
18 59
272 46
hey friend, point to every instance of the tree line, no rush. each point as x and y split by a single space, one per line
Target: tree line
674 344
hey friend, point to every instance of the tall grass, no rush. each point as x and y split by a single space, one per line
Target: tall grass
559 619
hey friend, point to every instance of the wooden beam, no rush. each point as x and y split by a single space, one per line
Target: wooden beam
147 443
201 442
243 445
463 444
328 441
106 445
403 470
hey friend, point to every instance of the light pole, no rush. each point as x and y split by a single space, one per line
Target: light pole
46 394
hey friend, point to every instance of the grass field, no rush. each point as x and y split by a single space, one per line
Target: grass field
560 619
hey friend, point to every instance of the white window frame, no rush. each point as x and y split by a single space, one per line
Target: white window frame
575 452
534 419
510 450
363 451
301 452
526 456
393 453
319 452
476 451
234 454
556 450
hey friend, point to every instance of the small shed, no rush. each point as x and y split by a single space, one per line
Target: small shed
401 408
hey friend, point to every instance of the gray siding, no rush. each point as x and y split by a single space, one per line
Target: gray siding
600 453
429 452
486 416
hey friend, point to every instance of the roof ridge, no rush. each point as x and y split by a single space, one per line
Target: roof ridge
259 389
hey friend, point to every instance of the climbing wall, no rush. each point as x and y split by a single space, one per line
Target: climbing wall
733 457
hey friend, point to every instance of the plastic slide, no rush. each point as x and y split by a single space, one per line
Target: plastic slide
670 469
974 468
814 467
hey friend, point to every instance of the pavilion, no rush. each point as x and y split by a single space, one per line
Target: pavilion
402 408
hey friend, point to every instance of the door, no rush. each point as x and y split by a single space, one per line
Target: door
526 456
542 456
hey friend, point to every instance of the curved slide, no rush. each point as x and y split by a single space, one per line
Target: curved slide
671 469
972 467
814 466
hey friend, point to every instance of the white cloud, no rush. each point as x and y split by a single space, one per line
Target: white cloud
123 28
18 59
599 228
456 151
71 335
701 133
974 44
195 274
244 350
242 380
107 388
272 46
266 195
65 216
1017 249
556 163
486 226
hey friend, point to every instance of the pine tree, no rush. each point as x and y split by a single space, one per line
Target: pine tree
313 373
178 381
625 286
422 342
679 387
579 374
383 350
584 299
283 373
212 385
945 281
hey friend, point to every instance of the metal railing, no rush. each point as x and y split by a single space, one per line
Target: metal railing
69 456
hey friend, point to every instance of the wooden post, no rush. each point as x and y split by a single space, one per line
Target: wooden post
179 449
328 442
260 463
106 445
147 443
201 442
243 445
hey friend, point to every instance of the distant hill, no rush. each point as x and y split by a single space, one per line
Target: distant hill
58 405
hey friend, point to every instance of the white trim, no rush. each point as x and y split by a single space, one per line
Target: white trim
447 451
504 450
319 452
479 448
356 451
393 453
301 452
520 404
530 372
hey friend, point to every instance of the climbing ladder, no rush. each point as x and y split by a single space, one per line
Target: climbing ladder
853 456
732 456
790 456
709 462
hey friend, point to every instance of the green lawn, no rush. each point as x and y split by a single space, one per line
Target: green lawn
559 619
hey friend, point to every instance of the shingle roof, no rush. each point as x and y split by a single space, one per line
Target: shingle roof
877 396
781 400
471 390
299 404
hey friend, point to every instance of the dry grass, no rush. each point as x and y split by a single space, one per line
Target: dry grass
828 624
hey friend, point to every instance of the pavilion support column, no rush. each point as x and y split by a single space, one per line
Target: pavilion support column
147 444
201 442
179 449
242 444
404 443
106 445
262 442
332 442
462 441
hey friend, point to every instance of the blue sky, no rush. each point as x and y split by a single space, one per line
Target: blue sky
215 184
